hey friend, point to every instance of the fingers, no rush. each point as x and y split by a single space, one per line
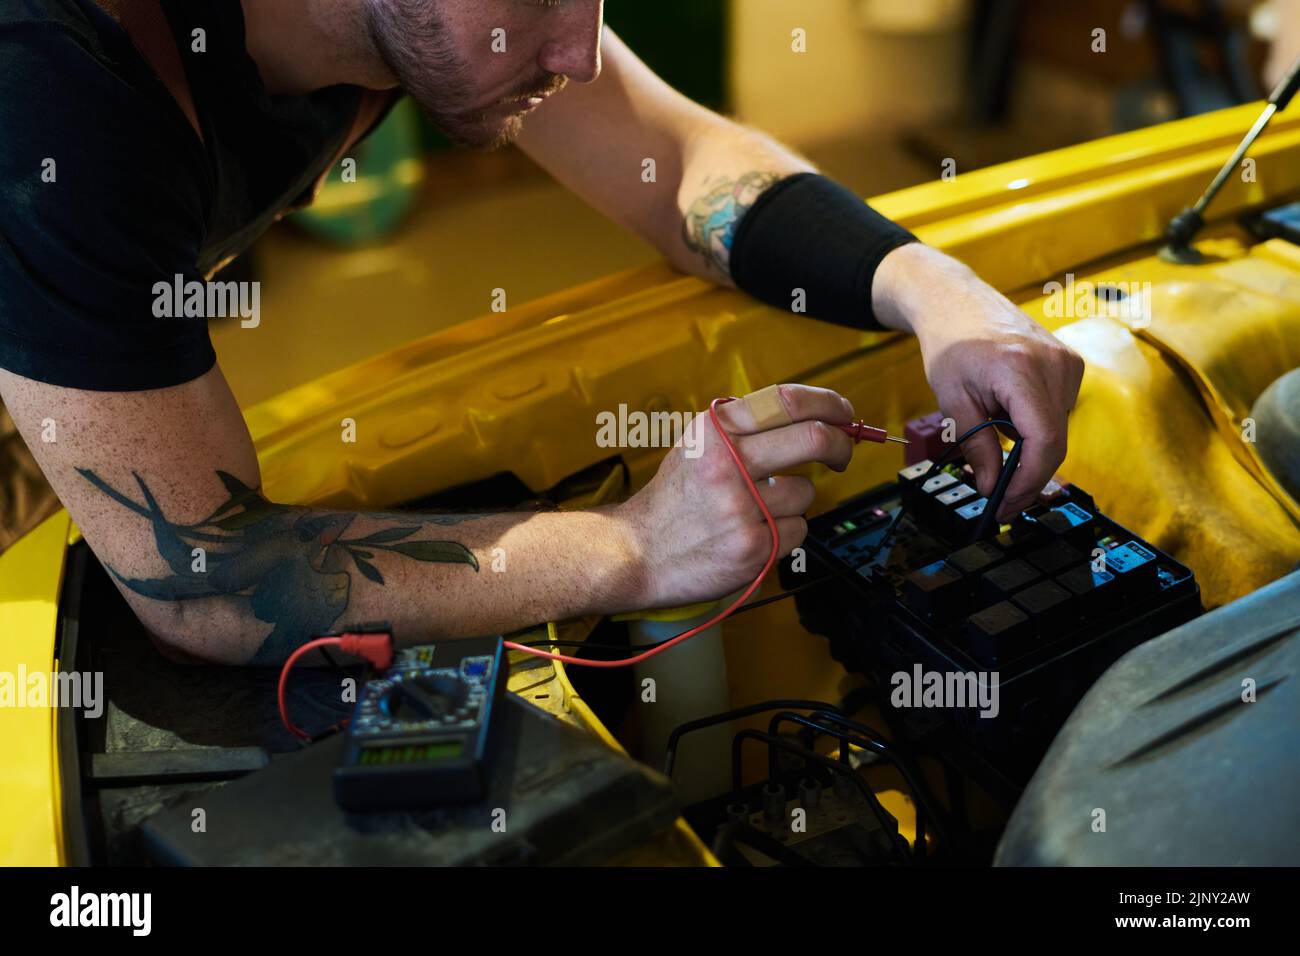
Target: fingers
784 448
981 450
1032 380
1043 427
802 403
753 546
1041 411
808 439
786 495
792 530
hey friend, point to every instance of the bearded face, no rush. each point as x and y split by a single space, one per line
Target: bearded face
478 67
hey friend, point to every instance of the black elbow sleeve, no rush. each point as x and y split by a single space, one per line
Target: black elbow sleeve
809 234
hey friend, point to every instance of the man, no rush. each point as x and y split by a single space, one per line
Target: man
176 141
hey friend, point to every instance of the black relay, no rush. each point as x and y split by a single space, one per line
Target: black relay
1045 604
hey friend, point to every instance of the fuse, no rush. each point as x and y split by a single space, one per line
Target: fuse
1006 579
1047 604
935 590
957 495
997 633
976 557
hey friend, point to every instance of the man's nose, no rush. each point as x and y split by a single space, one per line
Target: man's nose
575 49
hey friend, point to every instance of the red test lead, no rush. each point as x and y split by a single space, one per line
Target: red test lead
861 431
375 646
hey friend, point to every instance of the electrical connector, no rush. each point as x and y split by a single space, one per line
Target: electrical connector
375 648
861 431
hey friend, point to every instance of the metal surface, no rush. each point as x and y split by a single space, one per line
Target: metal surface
1187 223
1237 154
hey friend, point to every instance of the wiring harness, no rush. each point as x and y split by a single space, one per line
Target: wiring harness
824 719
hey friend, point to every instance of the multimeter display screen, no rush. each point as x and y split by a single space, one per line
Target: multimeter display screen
410 753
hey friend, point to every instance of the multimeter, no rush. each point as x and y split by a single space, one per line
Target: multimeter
419 734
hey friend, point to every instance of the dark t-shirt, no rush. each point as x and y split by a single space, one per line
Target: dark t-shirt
105 190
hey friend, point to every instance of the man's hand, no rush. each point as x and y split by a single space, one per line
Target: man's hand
698 533
984 358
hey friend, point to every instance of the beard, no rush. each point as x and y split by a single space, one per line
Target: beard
414 42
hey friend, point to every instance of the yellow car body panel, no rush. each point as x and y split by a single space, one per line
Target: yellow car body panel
31 575
1160 433
1156 436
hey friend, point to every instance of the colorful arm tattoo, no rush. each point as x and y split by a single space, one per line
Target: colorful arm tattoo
710 225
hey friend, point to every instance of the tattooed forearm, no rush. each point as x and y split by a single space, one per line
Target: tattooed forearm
710 224
292 565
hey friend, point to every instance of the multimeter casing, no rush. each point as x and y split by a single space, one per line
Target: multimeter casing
395 761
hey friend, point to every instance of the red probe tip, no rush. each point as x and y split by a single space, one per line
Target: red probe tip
861 431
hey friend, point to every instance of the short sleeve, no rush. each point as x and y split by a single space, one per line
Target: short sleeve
102 199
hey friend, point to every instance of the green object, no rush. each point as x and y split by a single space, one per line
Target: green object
684 41
369 193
